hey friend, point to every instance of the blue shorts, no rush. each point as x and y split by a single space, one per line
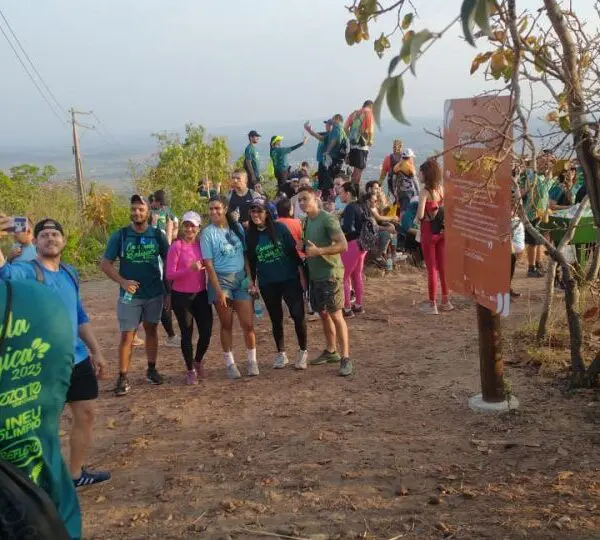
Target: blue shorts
234 285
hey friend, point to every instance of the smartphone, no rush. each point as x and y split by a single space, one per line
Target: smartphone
17 224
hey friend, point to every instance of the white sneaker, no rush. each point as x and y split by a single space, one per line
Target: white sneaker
301 360
428 308
138 342
252 367
233 372
400 257
281 360
174 341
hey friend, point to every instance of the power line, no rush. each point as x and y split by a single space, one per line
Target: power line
45 98
31 63
105 129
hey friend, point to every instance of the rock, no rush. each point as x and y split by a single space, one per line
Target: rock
401 491
101 499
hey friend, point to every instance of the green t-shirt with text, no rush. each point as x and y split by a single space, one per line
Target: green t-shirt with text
36 361
320 230
141 258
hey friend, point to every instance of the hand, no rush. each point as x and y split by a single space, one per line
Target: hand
197 266
222 299
5 223
253 290
312 250
307 126
167 302
14 253
130 286
396 219
305 140
99 365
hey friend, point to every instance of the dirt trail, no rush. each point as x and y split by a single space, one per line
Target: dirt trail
393 450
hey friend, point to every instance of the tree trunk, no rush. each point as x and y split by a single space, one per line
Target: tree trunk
594 267
542 331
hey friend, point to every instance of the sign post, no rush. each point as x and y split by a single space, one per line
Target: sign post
478 201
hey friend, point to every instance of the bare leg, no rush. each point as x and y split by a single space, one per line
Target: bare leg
81 434
151 342
226 319
125 348
329 331
341 329
245 313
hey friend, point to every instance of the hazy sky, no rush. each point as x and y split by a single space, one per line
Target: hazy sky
150 65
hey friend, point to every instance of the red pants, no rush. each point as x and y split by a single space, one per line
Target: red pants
433 247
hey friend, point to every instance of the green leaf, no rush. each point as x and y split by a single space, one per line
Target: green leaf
393 65
482 16
407 21
405 50
467 15
415 47
564 123
395 95
379 102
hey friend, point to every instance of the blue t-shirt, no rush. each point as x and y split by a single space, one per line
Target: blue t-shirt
224 248
63 284
28 252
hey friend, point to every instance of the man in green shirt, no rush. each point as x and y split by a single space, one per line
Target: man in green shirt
36 348
323 243
251 161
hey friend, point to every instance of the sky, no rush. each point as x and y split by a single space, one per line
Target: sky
154 65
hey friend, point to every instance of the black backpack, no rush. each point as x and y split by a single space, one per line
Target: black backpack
368 237
437 222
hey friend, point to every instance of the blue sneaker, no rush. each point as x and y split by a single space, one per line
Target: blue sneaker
89 478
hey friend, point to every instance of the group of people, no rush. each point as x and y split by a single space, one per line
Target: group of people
305 249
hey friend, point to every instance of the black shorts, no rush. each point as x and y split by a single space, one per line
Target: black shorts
530 240
358 158
84 385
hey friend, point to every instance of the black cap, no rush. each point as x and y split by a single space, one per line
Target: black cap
138 199
254 133
47 224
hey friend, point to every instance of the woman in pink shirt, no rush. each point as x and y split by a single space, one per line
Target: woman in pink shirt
189 300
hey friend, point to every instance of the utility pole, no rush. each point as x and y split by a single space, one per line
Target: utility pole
77 155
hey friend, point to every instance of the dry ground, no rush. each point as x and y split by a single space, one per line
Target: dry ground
393 451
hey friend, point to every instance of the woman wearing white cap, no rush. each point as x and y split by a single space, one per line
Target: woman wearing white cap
189 299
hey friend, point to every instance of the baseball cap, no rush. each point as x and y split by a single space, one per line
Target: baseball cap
276 138
138 199
254 133
47 223
192 217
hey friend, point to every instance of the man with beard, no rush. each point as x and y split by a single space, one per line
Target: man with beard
141 251
48 269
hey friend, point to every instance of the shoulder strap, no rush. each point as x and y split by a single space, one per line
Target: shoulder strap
39 271
69 273
7 307
123 233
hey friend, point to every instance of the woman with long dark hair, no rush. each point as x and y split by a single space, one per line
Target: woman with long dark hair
353 218
433 243
223 245
274 260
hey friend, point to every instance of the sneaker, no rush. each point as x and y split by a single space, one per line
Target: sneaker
138 342
428 308
348 314
281 360
233 372
301 359
252 368
515 294
358 310
326 357
89 478
173 341
535 273
345 367
191 378
446 306
400 257
123 387
153 376
200 371
352 297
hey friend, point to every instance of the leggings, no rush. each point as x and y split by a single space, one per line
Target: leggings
291 292
434 253
166 318
189 307
354 261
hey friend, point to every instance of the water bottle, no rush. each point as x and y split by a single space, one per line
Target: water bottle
127 298
258 309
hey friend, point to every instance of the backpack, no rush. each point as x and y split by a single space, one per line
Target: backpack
369 233
123 232
39 273
437 223
355 134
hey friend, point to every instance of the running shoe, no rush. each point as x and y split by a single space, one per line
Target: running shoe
173 341
200 371
446 306
348 314
89 478
138 342
191 378
428 308
233 372
358 310
535 273
301 359
153 376
281 360
346 367
515 294
400 257
326 357
123 387
252 368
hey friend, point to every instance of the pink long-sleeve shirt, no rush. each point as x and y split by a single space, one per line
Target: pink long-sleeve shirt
179 259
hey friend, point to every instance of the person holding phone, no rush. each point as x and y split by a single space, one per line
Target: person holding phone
223 245
23 249
189 299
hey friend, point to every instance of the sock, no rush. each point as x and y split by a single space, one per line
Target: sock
251 355
229 359
152 365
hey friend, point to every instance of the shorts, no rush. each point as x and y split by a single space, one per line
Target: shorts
139 310
530 240
518 238
357 158
327 295
232 285
84 385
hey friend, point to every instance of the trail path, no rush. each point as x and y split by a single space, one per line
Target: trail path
393 451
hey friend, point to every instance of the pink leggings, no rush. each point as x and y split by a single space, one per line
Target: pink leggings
354 261
434 253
